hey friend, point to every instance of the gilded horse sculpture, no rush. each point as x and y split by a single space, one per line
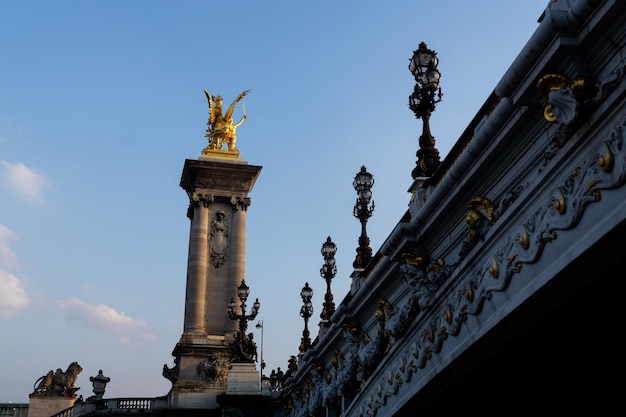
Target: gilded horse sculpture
221 130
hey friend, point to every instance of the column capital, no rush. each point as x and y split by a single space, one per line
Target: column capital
240 203
197 200
202 199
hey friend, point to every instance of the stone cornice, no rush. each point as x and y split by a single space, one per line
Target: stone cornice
220 178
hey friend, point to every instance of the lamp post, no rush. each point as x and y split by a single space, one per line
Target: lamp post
306 311
363 182
259 325
244 349
426 94
328 271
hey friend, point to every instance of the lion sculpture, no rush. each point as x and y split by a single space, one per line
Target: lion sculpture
59 383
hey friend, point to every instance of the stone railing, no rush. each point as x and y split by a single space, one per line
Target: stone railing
113 404
13 410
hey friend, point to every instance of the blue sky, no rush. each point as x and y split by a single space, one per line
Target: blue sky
101 102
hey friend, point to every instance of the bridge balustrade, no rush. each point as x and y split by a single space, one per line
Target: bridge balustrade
112 404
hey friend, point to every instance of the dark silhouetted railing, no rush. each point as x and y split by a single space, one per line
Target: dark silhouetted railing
13 410
112 404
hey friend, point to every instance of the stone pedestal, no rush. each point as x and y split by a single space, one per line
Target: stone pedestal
45 406
194 396
201 371
243 379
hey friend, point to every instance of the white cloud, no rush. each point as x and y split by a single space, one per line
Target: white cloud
13 297
8 258
137 341
23 181
90 289
104 318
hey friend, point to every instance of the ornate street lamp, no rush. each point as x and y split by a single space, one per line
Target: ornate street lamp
244 347
306 311
259 325
328 271
426 94
363 182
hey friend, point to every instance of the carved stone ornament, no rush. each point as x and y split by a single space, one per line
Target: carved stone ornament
171 373
213 370
559 93
218 239
564 98
239 203
479 218
99 383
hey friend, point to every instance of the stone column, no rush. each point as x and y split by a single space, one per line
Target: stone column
197 264
214 273
218 191
237 266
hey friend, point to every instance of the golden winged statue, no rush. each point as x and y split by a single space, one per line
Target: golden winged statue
221 130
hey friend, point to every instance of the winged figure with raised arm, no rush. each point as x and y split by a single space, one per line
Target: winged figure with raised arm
221 130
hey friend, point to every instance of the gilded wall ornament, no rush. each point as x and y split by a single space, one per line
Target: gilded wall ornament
563 97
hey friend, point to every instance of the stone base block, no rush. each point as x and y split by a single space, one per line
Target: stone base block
194 398
243 379
42 406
